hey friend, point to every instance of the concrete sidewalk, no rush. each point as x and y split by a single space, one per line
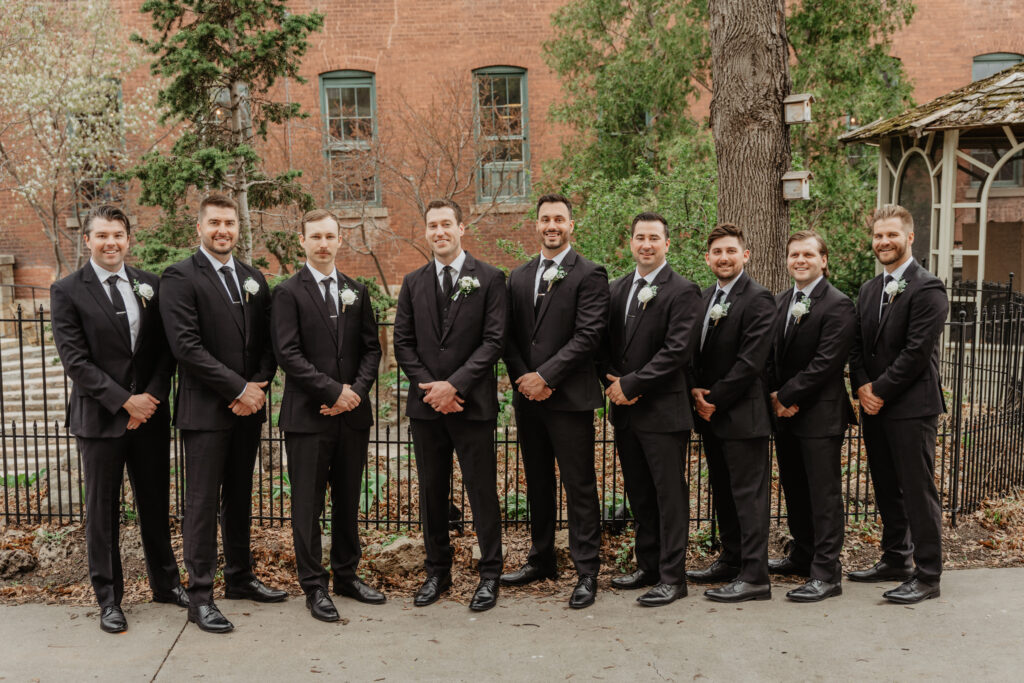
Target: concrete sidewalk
975 631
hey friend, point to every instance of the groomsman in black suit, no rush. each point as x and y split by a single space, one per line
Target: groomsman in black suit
654 313
106 324
558 315
814 330
216 312
894 367
731 401
449 333
325 340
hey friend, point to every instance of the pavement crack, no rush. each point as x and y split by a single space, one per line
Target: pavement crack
169 650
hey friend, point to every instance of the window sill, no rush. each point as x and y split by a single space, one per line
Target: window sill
500 207
350 212
975 192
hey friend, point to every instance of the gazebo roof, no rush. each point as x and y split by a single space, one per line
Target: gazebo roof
991 102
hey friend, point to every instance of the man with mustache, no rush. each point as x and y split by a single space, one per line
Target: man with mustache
216 311
894 368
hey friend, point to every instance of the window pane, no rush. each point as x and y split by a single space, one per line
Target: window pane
363 102
352 177
348 101
333 97
349 122
500 135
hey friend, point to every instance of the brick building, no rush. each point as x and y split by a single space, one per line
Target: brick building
374 60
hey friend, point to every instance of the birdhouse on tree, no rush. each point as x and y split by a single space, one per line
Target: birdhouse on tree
796 185
798 108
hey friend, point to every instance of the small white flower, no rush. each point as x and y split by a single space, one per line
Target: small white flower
251 287
466 285
553 275
801 308
145 292
719 311
646 293
347 297
895 287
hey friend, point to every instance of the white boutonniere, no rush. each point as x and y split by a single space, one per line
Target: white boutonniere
466 286
347 297
553 275
719 311
895 287
646 293
800 309
251 287
143 291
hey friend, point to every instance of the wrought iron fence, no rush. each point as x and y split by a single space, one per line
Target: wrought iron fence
980 450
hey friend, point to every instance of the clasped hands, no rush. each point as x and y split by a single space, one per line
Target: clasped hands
251 400
441 396
532 386
615 394
704 409
781 410
870 403
140 408
347 400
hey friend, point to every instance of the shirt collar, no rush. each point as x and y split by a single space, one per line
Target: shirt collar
898 273
102 274
559 257
651 276
728 287
318 276
456 265
809 288
217 265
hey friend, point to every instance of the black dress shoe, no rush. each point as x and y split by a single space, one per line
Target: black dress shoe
717 572
112 620
663 594
740 591
913 591
528 573
208 618
432 588
320 605
486 595
882 571
585 592
815 590
637 579
178 596
356 589
788 567
254 589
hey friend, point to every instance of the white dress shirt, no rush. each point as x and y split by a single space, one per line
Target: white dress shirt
217 265
557 258
124 286
456 266
807 295
332 281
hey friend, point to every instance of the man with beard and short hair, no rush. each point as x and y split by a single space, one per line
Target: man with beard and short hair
325 340
654 314
107 327
731 402
558 315
449 332
814 332
216 312
894 368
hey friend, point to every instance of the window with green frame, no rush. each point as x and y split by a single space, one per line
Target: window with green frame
348 106
501 133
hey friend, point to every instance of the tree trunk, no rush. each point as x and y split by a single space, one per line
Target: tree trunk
241 128
750 78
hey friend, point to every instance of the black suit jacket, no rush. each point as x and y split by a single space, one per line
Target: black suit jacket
651 357
97 354
899 354
462 349
319 355
732 362
806 365
219 347
563 339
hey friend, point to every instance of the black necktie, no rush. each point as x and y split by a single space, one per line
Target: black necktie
791 320
634 314
332 304
447 286
885 297
229 280
719 295
542 285
119 308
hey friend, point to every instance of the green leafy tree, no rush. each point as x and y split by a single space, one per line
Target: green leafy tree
221 60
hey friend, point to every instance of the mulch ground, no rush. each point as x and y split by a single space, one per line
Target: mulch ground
992 536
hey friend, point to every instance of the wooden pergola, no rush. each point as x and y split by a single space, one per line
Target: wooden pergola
956 164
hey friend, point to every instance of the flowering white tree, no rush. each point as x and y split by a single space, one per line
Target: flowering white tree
64 120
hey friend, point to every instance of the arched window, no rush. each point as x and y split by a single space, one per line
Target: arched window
348 107
992 63
502 133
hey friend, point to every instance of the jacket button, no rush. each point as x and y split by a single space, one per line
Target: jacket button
534 342
444 348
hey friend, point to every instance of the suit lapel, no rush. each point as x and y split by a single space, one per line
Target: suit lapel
780 334
527 293
908 275
427 293
133 277
659 282
731 298
204 267
95 288
468 270
816 295
567 264
343 318
312 288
